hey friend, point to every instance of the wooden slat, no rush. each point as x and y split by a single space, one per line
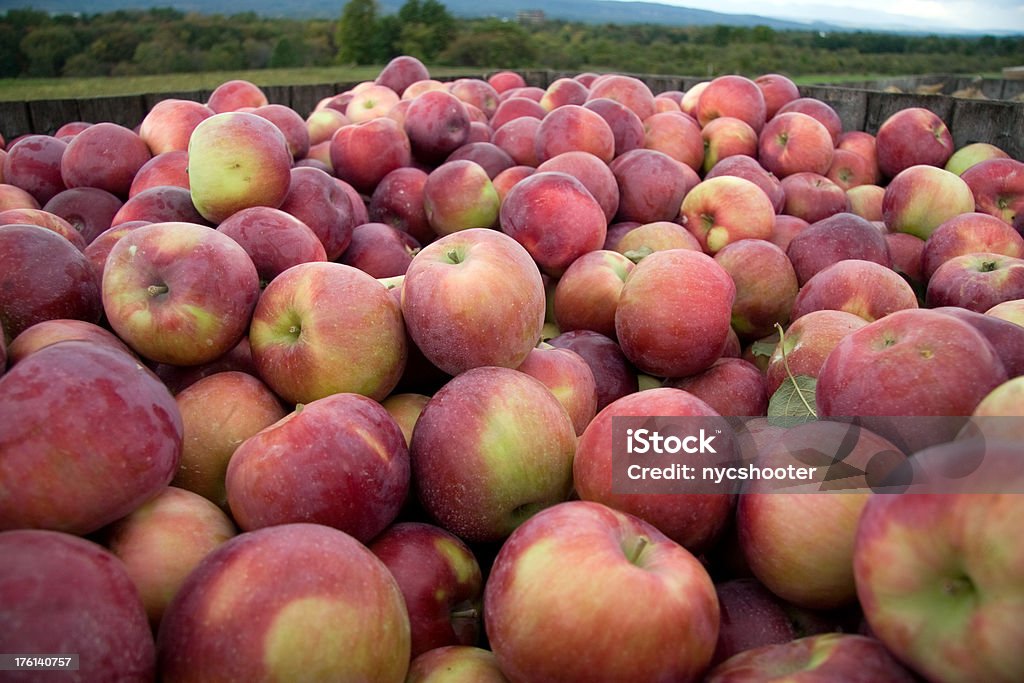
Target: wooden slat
305 97
881 106
850 103
998 123
14 120
278 94
49 115
126 111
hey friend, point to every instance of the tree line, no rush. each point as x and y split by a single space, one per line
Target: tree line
133 42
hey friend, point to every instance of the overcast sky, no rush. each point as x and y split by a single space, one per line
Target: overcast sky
1004 15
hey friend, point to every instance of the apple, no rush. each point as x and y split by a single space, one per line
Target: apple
725 137
1006 338
921 198
489 156
1011 311
237 160
491 448
474 298
363 153
326 328
785 228
219 412
677 135
440 581
734 96
866 201
98 250
163 540
726 209
613 374
777 90
913 362
179 293
454 664
160 204
169 123
340 461
595 175
517 139
936 579
371 102
748 168
43 276
177 378
971 154
236 94
397 201
69 129
807 343
795 142
998 188
273 239
89 210
43 219
976 281
379 250
33 164
405 408
514 108
818 110
588 292
658 236
850 169
506 80
291 125
573 127
167 168
660 325
477 93
910 137
812 197
321 125
49 332
401 72
970 233
864 288
328 206
459 195
437 123
847 657
731 386
50 404
627 127
839 237
105 156
63 595
555 218
568 377
630 91
245 613
652 185
766 285
660 598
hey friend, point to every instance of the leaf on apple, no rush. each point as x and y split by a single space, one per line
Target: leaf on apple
792 402
765 347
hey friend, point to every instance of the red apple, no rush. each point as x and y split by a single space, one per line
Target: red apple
273 239
588 292
13 197
517 139
49 332
911 137
291 125
437 123
454 664
658 595
866 201
237 160
662 325
748 168
813 197
725 137
514 108
976 281
613 374
778 90
459 195
506 80
818 110
327 328
340 461
593 173
915 362
491 448
43 276
864 288
652 185
43 219
850 169
643 239
766 286
161 204
440 581
677 135
89 210
245 613
785 228
326 206
998 188
50 405
168 168
380 250
163 540
33 164
179 293
568 377
627 127
971 154
969 233
321 125
1006 338
734 96
936 576
921 198
234 95
168 125
630 91
362 154
839 237
795 142
726 209
61 595
464 288
105 156
573 127
807 343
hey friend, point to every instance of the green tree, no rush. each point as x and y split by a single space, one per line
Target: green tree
47 49
358 33
491 43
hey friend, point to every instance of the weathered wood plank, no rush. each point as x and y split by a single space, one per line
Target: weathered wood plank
14 120
151 99
997 123
881 106
305 97
125 111
850 103
49 115
278 94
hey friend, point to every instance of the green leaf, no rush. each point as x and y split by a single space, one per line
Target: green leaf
765 347
792 403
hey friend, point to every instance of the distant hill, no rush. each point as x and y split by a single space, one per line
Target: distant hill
588 11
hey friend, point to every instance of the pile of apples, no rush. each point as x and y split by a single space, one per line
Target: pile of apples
335 398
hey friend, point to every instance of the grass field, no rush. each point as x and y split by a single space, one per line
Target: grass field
25 89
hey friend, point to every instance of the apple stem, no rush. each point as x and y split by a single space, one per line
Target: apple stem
157 290
633 554
455 256
465 614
